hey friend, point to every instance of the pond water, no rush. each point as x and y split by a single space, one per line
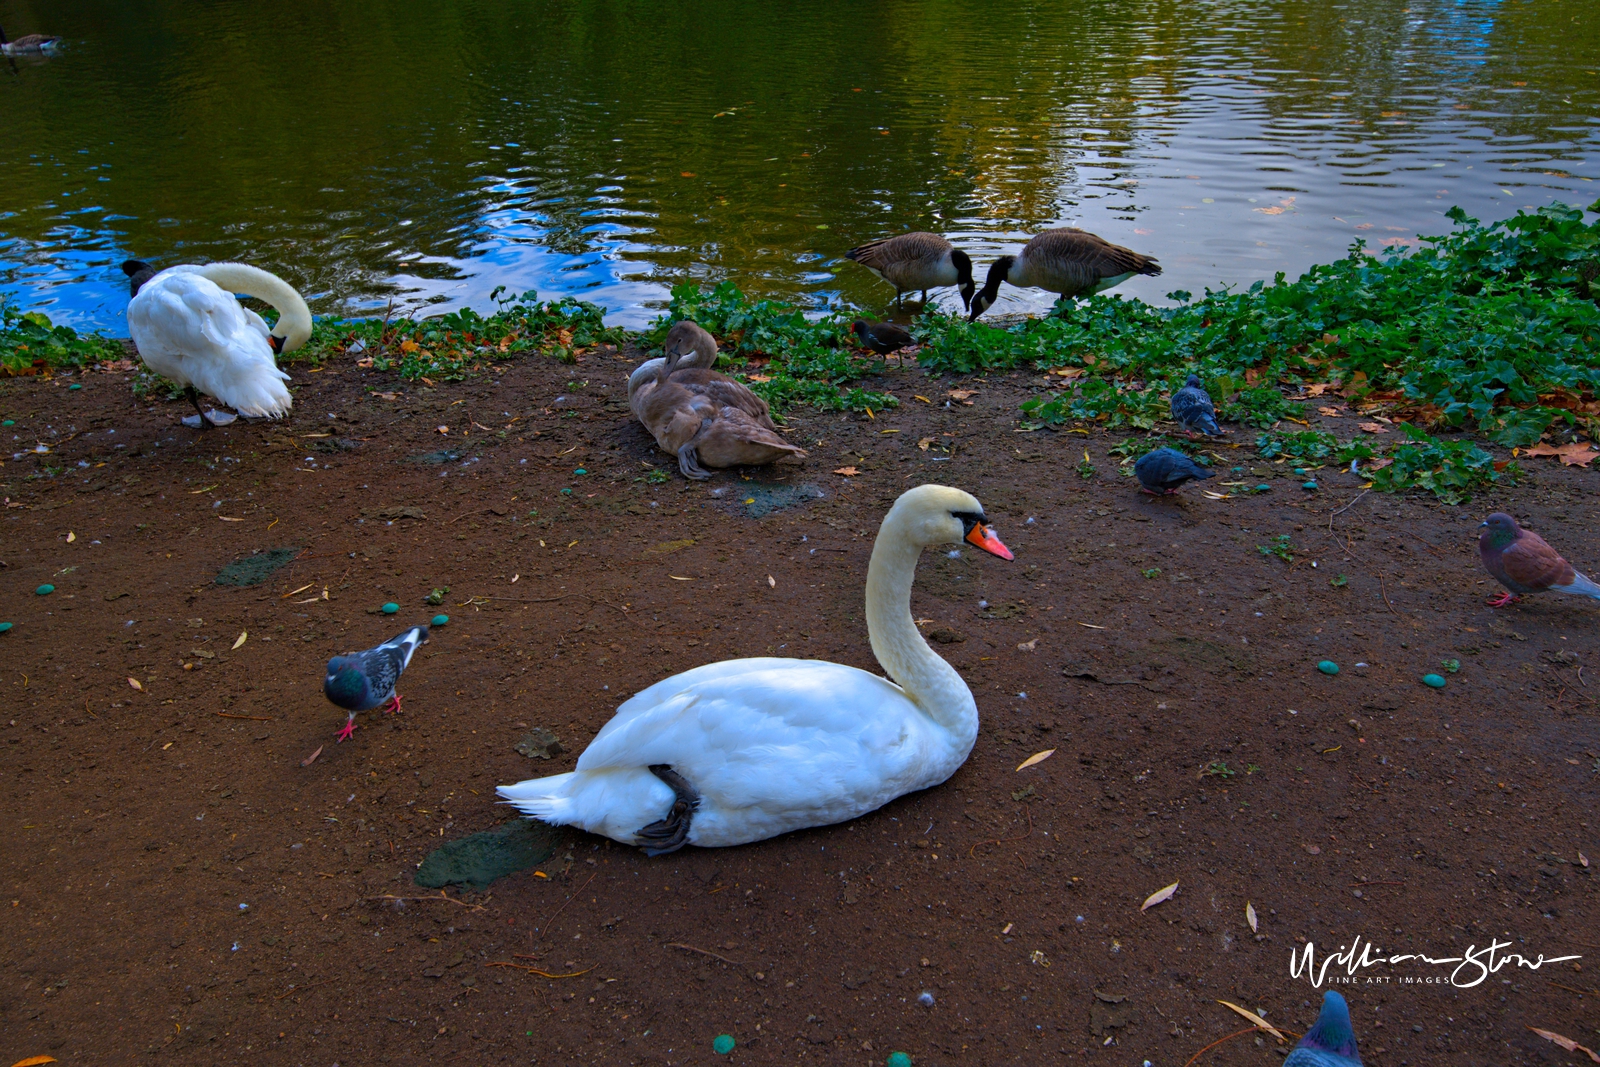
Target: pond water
426 153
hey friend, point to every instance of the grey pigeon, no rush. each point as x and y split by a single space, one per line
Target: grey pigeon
1162 471
1192 408
362 681
1331 1042
1524 562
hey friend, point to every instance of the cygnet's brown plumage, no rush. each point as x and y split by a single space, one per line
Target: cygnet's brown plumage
704 417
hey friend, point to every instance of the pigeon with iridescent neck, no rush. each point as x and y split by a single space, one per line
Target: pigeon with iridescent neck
1331 1042
362 681
1524 563
1192 408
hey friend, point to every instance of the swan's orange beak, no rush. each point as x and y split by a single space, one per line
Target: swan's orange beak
984 537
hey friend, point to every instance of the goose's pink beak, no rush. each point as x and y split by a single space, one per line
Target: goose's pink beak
984 537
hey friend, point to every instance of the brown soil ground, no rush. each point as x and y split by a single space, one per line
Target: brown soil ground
181 888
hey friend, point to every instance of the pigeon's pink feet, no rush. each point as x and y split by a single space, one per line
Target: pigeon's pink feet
1503 599
393 705
349 728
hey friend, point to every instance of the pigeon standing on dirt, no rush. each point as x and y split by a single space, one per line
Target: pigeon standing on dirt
362 681
1331 1042
1162 471
1192 408
1521 561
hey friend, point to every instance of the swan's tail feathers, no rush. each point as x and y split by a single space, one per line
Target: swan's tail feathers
1580 586
545 799
254 388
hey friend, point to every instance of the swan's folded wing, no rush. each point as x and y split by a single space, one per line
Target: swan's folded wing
768 730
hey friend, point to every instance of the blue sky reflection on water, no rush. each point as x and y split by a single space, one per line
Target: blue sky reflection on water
428 153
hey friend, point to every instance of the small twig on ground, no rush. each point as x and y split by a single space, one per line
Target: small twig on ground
1347 507
546 924
298 989
1580 992
1003 840
1385 593
442 896
1354 884
537 971
703 952
255 718
1230 1037
1429 546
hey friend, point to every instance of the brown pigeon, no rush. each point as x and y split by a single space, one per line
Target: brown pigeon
1521 561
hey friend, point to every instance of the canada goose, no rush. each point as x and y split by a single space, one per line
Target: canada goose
916 261
33 43
188 327
1068 261
746 749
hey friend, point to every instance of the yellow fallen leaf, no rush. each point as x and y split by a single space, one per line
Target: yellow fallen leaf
135 683
1565 1042
166 746
34 1061
1037 757
924 443
1250 915
1583 859
1332 413
848 472
571 543
240 643
675 578
309 760
71 537
292 592
924 399
225 518
1158 897
1253 1017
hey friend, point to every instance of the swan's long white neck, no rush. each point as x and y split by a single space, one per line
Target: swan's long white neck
931 683
294 318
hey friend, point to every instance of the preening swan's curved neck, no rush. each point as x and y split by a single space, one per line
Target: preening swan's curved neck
294 318
928 680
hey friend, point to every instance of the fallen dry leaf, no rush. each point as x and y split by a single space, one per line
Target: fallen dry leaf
1269 210
1565 1042
772 582
675 578
1314 850
1069 372
1373 427
1253 1017
34 1061
71 537
1028 646
1573 455
309 760
135 683
1332 413
1037 757
848 472
1583 859
963 395
924 443
1158 897
760 377
1250 915
240 643
1379 464
1319 388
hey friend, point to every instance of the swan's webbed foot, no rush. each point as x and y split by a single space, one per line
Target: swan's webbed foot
671 833
689 463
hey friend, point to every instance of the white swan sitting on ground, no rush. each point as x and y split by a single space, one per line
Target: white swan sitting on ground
188 327
745 749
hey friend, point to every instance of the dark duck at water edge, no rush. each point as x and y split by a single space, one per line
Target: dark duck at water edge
1523 562
1331 1042
1068 262
882 337
914 261
1161 472
362 681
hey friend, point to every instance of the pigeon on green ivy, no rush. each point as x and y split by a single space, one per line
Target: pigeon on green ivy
362 681
1192 408
1162 471
1524 563
1331 1042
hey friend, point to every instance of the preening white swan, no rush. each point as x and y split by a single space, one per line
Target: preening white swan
745 749
188 327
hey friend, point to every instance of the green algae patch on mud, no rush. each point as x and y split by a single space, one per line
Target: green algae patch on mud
257 568
481 858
